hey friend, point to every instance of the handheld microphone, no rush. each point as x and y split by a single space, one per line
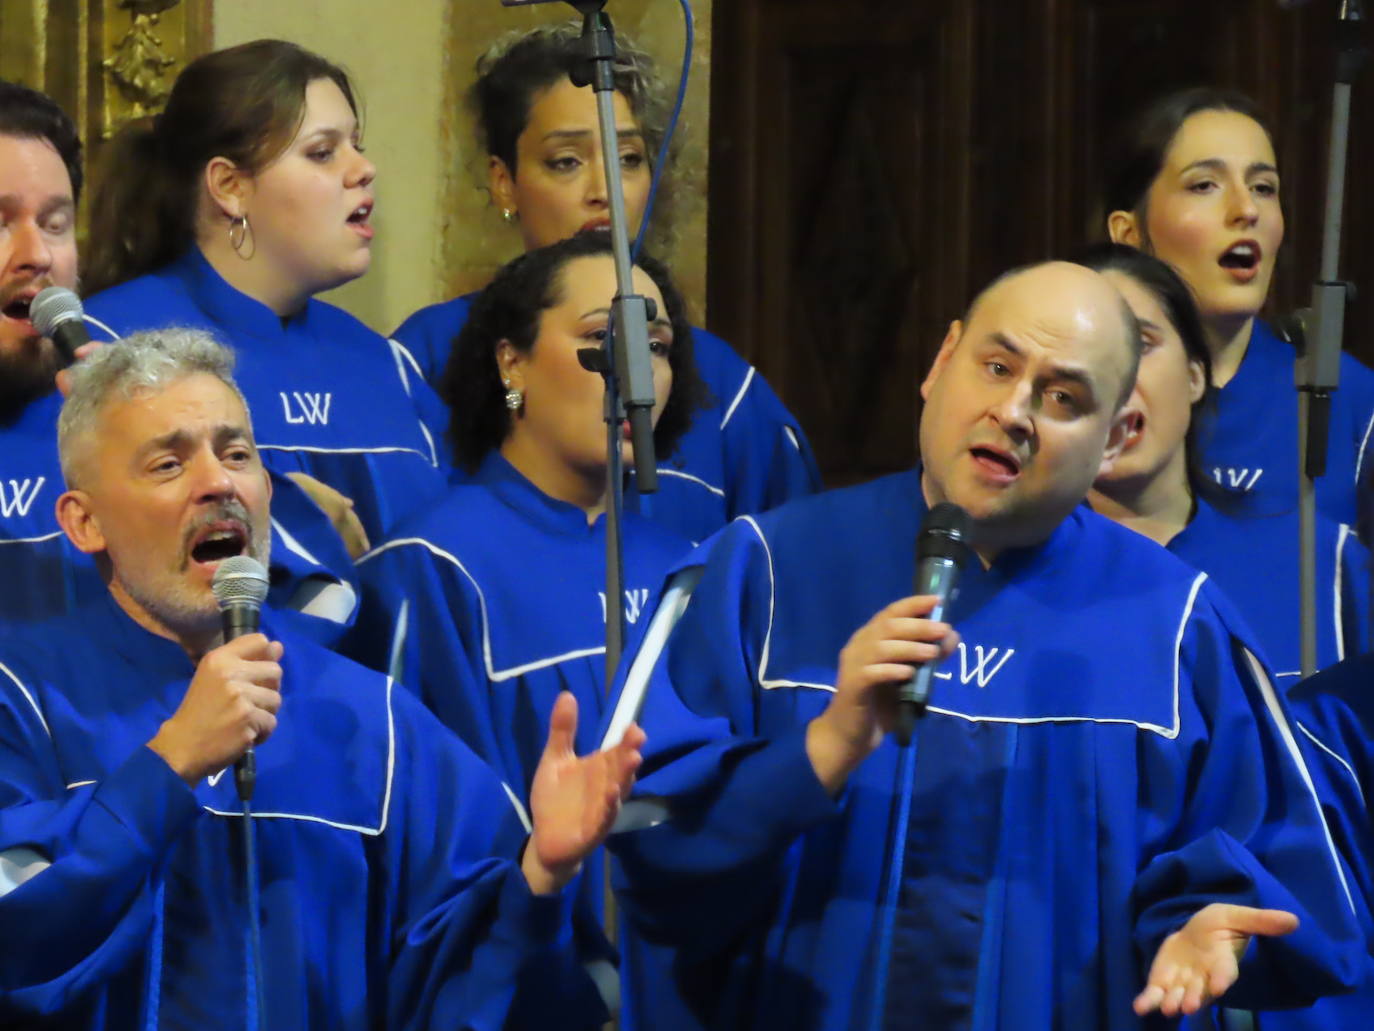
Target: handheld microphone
240 586
56 314
941 550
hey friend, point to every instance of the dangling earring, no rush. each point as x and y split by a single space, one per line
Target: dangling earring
244 235
508 216
515 400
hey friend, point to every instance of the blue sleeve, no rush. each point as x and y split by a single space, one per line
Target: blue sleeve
1335 710
420 621
768 459
473 948
1354 562
81 917
434 418
1357 384
738 800
428 335
1248 830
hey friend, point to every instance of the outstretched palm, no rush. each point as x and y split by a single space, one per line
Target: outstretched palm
574 801
1201 960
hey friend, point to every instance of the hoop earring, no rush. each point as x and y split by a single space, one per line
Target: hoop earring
245 235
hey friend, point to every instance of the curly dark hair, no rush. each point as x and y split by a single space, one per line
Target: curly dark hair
26 113
511 309
520 66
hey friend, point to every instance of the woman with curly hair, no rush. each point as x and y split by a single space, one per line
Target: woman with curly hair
491 603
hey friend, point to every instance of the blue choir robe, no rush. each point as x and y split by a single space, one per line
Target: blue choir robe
491 603
744 452
1254 562
1101 759
46 577
1251 444
1335 713
387 854
329 397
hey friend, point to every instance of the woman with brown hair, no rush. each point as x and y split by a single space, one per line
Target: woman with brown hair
246 197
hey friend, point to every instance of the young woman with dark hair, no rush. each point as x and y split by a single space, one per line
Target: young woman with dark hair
744 452
1196 184
1157 489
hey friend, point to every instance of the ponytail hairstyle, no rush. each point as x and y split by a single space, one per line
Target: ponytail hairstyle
245 103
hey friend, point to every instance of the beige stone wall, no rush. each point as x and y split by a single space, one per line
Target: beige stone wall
394 52
412 59
475 241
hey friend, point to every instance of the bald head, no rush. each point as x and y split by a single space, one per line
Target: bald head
1068 290
1023 402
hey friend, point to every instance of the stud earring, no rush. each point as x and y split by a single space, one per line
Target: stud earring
508 216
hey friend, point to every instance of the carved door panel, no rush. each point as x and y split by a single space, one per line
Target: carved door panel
873 165
843 152
104 61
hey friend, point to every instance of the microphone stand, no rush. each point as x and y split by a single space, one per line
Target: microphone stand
623 360
1318 368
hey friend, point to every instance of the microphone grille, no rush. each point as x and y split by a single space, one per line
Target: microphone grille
945 533
53 306
239 580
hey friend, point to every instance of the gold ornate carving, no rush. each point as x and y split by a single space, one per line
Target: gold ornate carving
139 69
107 62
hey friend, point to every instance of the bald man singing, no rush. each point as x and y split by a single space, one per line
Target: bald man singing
1101 817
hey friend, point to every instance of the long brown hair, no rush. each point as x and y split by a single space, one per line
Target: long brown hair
245 103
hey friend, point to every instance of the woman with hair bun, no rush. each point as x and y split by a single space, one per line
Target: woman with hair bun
248 196
744 453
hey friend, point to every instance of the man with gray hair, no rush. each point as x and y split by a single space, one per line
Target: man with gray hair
40 184
398 884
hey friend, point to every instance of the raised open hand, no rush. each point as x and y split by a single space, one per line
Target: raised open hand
1201 960
574 801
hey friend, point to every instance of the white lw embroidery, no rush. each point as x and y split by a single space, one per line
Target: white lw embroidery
1237 479
980 671
20 497
636 601
314 408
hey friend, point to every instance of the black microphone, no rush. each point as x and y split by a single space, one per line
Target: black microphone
56 314
941 550
240 586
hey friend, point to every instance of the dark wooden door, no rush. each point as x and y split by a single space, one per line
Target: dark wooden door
873 164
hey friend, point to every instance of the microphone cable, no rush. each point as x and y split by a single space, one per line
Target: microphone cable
892 888
661 161
257 1011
